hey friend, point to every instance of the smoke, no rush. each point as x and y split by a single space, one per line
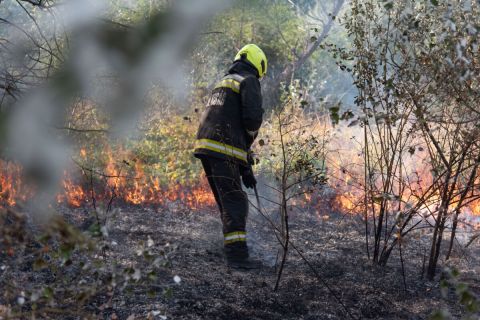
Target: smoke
262 241
113 66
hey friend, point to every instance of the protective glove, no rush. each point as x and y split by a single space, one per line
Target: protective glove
250 158
248 178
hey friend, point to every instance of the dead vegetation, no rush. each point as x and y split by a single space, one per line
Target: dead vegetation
208 289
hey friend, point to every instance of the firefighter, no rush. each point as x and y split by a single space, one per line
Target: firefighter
227 130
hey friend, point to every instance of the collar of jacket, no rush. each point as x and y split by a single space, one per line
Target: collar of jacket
242 68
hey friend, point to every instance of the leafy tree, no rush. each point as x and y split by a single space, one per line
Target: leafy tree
289 37
409 97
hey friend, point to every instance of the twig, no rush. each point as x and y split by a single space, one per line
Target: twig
472 239
82 130
318 276
403 266
98 173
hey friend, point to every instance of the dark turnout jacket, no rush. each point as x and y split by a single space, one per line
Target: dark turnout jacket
232 117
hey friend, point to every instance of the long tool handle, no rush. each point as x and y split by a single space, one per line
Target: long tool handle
258 198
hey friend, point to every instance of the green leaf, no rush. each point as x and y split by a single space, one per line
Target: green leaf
335 118
48 293
455 273
152 275
168 293
462 288
66 251
444 288
440 315
151 293
334 109
434 2
95 230
389 84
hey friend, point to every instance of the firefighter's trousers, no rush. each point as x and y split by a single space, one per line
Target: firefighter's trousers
224 179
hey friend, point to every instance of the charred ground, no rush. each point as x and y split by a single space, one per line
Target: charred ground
209 290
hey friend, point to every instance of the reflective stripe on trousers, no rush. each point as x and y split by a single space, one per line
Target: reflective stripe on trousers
236 236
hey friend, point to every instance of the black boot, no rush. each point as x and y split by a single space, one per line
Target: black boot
238 258
244 264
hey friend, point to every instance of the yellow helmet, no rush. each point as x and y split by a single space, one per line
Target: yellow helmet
255 56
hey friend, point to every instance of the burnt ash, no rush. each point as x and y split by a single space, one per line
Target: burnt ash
210 290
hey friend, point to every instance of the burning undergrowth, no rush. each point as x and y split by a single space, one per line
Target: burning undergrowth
127 182
157 168
124 183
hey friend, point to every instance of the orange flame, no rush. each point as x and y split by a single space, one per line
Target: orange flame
73 194
133 184
475 206
12 188
127 179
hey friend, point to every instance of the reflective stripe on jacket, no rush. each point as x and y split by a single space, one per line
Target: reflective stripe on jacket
222 148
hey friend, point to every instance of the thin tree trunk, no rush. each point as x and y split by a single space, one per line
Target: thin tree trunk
284 213
285 243
287 72
471 181
367 166
403 266
432 267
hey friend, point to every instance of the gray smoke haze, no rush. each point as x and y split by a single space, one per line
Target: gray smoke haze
116 70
